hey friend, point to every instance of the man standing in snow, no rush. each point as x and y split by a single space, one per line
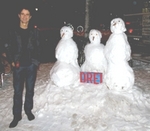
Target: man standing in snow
24 49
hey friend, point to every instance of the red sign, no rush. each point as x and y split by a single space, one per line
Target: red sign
91 77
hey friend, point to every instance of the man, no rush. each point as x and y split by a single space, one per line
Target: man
24 51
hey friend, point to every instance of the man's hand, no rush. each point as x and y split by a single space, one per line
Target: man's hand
13 64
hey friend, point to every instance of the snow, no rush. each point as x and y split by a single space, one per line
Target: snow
82 106
62 103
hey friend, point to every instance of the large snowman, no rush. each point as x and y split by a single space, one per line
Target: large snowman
119 74
66 70
95 60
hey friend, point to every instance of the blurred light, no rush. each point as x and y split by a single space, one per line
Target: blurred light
36 9
136 39
128 23
134 2
35 26
130 31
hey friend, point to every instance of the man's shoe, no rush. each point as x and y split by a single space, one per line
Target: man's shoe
30 116
14 122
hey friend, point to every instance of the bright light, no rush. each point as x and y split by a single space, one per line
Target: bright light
36 9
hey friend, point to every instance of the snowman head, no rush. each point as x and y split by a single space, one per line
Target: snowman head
66 32
95 36
117 25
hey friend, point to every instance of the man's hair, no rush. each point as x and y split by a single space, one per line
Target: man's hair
26 7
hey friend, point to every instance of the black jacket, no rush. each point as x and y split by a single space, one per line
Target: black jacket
15 45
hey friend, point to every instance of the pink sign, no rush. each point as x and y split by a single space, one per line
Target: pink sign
91 77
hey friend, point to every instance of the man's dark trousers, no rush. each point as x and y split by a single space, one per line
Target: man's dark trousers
23 75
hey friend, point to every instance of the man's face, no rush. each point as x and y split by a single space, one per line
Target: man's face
24 16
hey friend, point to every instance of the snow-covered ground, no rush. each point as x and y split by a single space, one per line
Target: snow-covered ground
82 107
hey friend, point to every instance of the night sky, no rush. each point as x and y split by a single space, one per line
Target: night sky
52 13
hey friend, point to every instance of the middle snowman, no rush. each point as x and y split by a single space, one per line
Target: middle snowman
95 60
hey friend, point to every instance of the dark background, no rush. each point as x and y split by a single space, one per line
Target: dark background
52 14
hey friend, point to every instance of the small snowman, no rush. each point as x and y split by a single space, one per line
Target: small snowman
95 60
66 50
119 75
66 69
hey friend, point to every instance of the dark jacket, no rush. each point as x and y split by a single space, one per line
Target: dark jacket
15 45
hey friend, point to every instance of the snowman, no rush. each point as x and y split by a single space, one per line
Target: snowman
119 75
95 60
66 69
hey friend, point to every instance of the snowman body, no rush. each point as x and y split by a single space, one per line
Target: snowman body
119 74
95 60
66 69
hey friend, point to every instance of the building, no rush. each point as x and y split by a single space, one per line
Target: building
138 29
